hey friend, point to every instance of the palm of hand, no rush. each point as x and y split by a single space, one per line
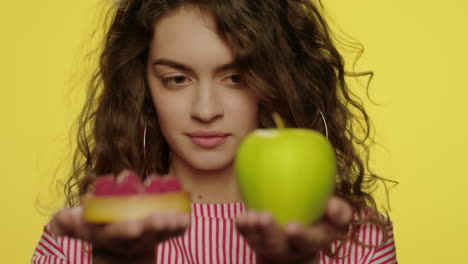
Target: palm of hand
293 243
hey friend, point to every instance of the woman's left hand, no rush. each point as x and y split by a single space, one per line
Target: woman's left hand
293 243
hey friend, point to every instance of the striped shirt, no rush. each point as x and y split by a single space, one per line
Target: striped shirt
212 239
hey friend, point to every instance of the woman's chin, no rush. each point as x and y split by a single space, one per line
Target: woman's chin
204 161
217 164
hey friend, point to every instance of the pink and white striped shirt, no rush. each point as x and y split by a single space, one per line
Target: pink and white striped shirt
212 239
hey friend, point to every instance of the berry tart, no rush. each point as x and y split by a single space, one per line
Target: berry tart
128 198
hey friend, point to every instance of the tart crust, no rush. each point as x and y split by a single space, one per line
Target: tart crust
105 209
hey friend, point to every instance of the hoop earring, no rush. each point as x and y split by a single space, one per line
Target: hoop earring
144 142
324 122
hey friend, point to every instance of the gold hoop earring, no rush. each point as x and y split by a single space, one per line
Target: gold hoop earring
325 123
144 142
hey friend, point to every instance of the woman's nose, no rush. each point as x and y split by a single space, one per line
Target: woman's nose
206 103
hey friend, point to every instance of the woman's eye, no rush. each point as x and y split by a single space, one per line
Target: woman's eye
235 79
175 80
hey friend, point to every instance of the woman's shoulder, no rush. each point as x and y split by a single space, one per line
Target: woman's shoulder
61 249
376 231
370 240
372 227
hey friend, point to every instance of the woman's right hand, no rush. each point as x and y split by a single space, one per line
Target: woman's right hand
120 242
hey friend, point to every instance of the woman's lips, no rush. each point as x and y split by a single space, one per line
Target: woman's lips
208 139
208 142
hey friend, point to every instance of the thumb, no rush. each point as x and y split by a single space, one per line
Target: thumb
339 212
67 222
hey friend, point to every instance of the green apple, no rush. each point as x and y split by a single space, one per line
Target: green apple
289 172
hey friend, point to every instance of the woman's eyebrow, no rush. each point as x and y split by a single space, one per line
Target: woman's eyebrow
183 67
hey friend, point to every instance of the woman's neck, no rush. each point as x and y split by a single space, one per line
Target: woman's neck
216 186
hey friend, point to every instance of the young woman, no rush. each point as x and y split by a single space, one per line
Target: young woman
174 70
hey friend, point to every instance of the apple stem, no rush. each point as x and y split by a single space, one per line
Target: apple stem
278 120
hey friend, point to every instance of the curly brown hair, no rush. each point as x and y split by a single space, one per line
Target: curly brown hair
283 49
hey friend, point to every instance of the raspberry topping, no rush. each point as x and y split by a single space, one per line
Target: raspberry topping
105 185
128 183
172 185
154 184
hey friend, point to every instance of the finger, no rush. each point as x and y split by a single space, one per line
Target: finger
307 240
131 237
244 221
274 239
120 238
248 228
62 223
183 221
165 226
339 212
138 236
155 223
124 230
173 222
166 221
67 222
177 224
241 220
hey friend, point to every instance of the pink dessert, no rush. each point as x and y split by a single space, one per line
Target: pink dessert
128 198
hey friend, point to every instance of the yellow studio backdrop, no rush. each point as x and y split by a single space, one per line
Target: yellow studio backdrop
417 49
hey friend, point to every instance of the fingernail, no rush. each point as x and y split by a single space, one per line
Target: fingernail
133 230
77 211
344 215
265 217
292 228
240 220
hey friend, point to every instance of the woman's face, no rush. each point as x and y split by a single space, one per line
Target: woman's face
202 108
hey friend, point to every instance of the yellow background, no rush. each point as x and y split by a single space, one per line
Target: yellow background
418 50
